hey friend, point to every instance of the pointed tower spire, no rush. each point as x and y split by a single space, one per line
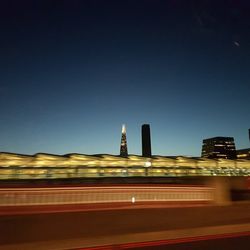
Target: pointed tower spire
124 148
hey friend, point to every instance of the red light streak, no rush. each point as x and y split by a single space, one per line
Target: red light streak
166 242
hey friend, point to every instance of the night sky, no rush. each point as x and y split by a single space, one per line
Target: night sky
72 72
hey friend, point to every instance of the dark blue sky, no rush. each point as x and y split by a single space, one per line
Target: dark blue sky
72 72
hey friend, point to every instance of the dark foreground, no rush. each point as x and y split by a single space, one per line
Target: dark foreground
217 244
73 230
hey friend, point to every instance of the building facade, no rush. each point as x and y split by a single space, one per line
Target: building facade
219 147
243 153
47 166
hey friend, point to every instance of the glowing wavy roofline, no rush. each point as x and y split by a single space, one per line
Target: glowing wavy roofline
13 159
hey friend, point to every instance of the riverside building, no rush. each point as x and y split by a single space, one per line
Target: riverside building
219 147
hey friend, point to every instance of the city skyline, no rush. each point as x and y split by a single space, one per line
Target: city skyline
146 150
72 73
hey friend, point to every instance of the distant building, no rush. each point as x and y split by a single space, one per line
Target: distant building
219 147
124 147
146 141
243 153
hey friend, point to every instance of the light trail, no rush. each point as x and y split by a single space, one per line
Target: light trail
166 242
103 195
108 188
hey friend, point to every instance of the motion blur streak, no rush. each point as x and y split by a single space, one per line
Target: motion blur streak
94 195
167 242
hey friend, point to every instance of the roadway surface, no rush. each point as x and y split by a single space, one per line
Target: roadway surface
227 243
72 230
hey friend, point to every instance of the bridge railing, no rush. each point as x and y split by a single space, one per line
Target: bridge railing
93 195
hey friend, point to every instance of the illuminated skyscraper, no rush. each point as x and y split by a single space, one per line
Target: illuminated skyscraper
219 147
146 141
124 148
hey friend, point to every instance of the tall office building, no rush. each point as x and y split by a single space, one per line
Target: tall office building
219 147
146 141
124 148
